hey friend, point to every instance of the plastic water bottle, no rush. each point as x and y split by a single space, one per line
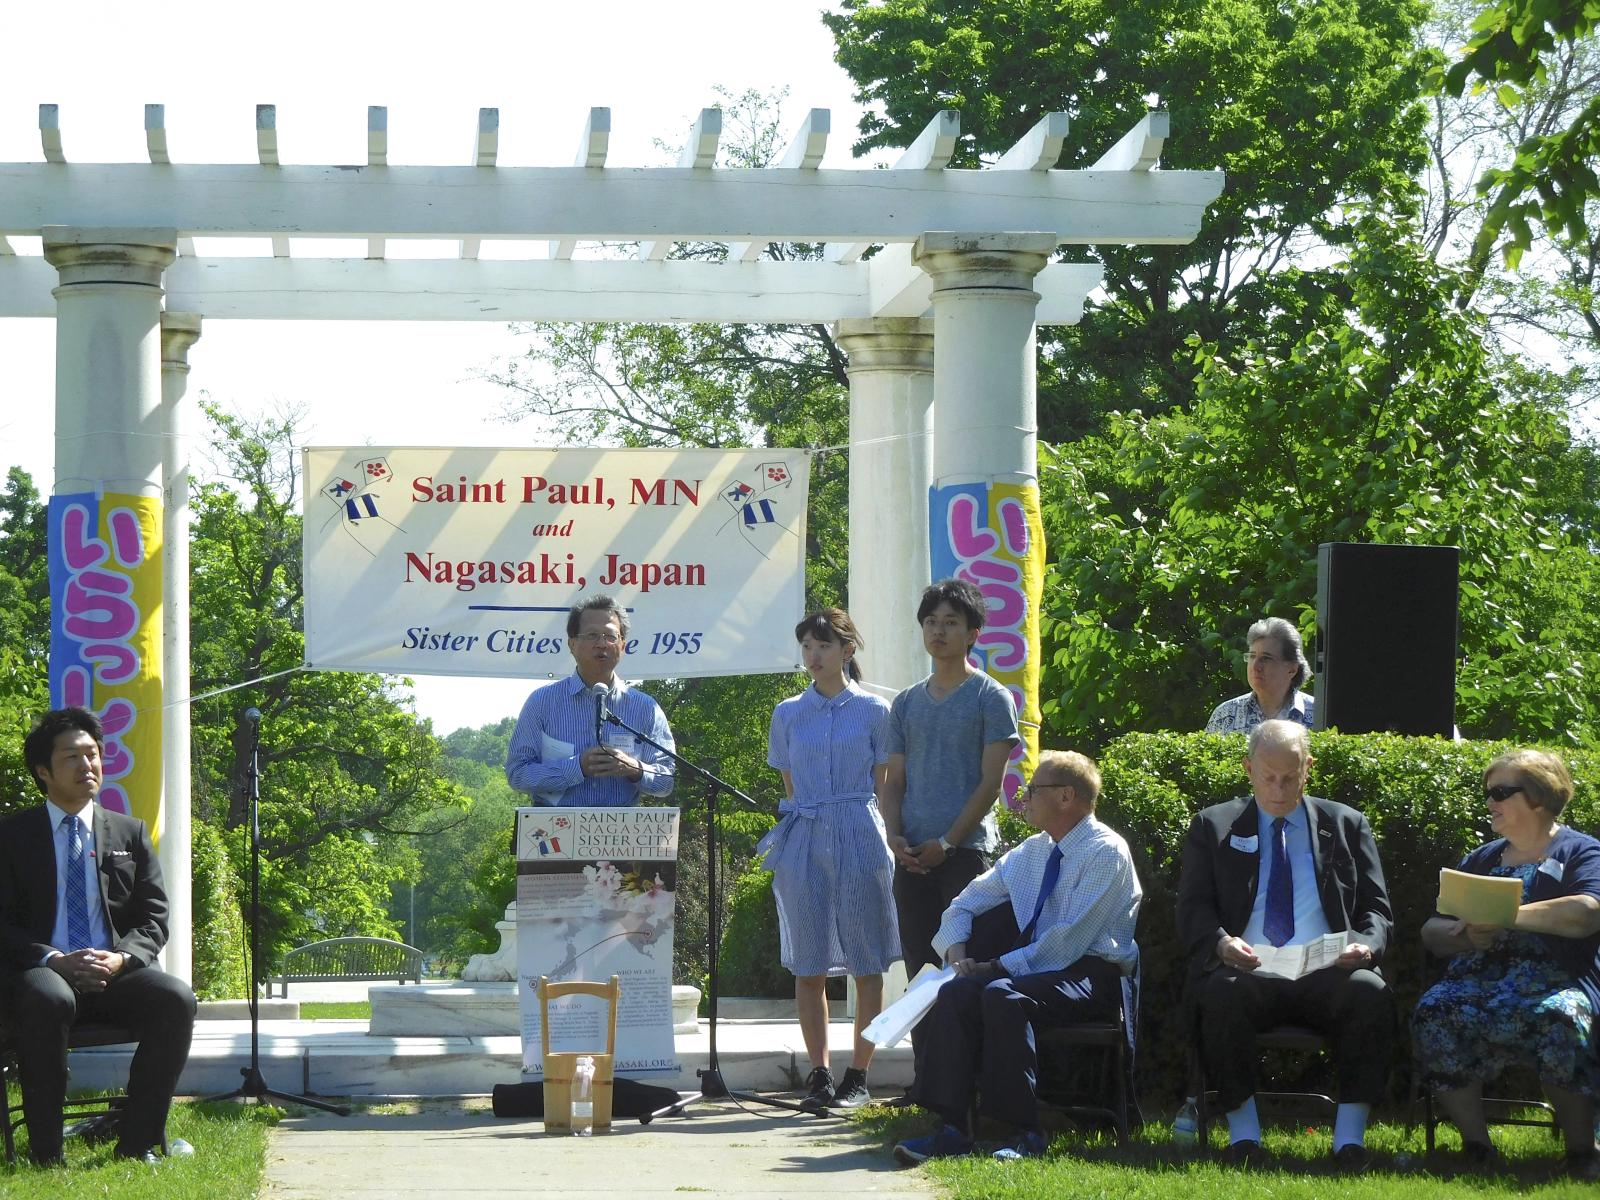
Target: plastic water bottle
1186 1125
583 1097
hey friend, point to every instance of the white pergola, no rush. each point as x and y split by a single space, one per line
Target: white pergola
938 322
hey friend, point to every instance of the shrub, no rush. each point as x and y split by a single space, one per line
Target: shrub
219 934
749 957
1423 797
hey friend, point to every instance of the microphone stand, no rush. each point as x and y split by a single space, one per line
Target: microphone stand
255 1086
712 1085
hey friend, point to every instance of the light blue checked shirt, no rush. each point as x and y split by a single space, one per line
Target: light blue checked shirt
563 712
1092 909
99 932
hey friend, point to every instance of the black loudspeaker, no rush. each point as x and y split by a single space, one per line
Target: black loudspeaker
1386 638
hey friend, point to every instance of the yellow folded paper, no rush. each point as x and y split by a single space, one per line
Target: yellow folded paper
1480 899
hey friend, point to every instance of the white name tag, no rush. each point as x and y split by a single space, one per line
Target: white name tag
1245 845
1553 869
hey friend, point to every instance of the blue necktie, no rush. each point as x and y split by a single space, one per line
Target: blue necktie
1052 872
77 904
1279 922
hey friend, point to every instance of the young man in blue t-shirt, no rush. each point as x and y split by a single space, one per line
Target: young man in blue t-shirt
949 739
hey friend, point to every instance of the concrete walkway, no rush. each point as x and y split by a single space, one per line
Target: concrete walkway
456 1150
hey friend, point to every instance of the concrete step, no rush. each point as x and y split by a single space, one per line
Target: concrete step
340 1058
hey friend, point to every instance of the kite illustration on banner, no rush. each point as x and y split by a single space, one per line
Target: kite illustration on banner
357 496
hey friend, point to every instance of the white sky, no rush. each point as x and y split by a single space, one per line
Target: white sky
542 64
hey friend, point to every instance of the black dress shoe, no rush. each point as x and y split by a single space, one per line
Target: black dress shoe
1482 1157
1247 1155
47 1160
1352 1159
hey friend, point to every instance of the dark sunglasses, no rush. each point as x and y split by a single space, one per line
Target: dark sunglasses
1501 792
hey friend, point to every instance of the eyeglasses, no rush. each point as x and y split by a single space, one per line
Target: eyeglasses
1039 787
1502 792
599 639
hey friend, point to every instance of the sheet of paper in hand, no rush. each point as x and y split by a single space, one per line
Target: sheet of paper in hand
1291 962
1480 899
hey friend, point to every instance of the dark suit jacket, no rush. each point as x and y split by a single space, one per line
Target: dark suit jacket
131 894
1217 890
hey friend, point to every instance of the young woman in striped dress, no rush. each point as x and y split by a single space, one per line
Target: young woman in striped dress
833 874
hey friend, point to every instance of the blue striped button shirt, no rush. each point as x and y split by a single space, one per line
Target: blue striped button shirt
1092 909
564 711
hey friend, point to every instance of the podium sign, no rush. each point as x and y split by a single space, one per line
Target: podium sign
595 898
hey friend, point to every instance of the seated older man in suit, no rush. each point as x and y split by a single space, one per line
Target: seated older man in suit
82 918
1071 891
1281 868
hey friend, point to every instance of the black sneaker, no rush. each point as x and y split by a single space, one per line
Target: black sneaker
852 1090
819 1088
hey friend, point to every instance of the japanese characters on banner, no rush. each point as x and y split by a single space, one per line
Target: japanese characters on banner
595 898
439 561
992 535
105 636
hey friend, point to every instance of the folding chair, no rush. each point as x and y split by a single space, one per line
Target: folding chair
79 1037
559 1068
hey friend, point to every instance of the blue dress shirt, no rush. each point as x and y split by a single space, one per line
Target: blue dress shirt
563 712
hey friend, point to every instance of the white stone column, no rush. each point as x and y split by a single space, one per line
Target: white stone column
984 513
891 456
106 509
179 331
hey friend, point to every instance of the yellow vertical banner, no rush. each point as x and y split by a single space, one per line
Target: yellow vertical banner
992 535
105 635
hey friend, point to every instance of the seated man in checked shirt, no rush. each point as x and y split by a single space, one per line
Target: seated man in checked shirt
1072 892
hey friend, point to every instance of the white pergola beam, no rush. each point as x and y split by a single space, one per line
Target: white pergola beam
805 152
1039 149
377 135
592 150
699 154
930 152
267 156
155 133
809 143
1140 148
377 156
451 289
50 133
486 149
614 204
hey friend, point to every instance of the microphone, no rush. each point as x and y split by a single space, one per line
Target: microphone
253 715
599 692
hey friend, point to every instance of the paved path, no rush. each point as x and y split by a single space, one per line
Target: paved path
452 1151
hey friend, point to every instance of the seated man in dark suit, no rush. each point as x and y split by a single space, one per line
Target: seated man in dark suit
82 918
1072 891
1281 868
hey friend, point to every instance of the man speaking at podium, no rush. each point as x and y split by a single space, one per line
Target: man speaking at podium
563 753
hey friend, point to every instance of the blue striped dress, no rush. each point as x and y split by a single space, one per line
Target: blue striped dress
833 874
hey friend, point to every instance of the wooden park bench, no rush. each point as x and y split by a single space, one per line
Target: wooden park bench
349 959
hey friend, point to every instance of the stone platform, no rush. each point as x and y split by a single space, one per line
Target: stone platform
341 1058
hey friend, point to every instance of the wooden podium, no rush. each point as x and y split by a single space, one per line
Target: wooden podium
559 1068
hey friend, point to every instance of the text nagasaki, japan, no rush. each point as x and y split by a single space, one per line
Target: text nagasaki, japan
466 574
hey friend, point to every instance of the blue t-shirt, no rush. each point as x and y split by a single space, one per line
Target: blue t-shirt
943 741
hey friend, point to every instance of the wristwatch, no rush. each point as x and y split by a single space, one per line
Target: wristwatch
944 845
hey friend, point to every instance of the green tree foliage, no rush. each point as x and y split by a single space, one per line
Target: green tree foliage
1551 180
1310 108
348 774
1382 419
24 630
221 946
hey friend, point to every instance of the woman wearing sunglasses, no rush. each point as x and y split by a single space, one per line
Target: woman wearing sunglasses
832 872
1525 995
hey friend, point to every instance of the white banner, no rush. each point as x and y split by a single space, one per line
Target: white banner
596 892
439 561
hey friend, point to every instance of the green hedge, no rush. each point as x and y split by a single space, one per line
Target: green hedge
1423 796
219 936
748 961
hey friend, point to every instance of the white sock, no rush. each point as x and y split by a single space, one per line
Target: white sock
1350 1125
1244 1125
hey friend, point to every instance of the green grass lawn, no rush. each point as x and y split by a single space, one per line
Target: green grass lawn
336 1010
230 1142
1084 1165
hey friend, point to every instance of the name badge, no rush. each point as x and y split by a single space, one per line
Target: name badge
1245 845
1553 869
